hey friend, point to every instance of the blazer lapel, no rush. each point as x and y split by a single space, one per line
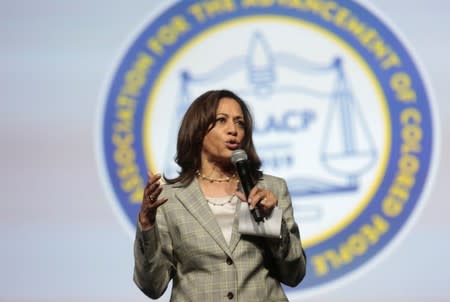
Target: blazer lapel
195 203
235 235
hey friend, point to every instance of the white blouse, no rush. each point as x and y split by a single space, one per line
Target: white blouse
224 209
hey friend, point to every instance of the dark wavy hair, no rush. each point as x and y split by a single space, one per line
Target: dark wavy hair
198 120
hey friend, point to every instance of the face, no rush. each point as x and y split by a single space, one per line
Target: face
227 133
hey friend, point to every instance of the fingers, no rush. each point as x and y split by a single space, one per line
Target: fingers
151 192
151 200
153 188
263 198
153 178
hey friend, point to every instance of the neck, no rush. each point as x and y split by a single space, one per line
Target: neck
215 171
216 177
218 187
217 180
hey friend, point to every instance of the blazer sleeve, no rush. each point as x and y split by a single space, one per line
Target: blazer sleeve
288 256
153 261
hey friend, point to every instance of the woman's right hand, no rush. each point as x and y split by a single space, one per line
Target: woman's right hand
150 201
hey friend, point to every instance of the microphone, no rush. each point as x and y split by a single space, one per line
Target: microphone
240 160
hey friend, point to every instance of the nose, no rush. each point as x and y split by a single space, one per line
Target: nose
232 128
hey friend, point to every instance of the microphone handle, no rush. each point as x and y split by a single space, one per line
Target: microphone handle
257 213
247 186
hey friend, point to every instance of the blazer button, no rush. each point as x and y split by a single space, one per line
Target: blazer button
229 261
230 295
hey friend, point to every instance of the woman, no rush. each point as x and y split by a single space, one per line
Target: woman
187 231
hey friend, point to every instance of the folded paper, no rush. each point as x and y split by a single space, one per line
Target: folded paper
269 227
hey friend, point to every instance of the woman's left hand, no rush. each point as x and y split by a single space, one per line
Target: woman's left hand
262 197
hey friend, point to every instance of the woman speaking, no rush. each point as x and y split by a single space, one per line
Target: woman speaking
188 226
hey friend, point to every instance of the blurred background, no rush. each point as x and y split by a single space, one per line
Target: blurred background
61 238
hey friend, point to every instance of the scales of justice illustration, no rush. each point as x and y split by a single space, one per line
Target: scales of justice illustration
309 128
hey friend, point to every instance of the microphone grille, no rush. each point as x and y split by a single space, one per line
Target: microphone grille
238 155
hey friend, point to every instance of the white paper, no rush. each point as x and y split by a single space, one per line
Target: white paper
269 227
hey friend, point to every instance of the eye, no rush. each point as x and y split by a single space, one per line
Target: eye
240 123
221 120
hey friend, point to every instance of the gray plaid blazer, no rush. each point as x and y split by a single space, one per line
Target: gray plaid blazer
186 246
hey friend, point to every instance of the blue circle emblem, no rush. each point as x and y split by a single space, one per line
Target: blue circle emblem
335 92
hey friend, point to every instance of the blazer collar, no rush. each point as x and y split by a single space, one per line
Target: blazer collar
192 198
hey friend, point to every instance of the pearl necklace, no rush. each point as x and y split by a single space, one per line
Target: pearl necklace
223 203
210 179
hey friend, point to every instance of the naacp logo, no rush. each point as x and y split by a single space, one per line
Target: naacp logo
340 106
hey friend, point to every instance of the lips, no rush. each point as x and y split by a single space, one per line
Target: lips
232 144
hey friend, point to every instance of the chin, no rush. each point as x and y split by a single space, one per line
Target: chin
229 152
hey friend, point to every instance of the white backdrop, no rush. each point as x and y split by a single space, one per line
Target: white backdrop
61 239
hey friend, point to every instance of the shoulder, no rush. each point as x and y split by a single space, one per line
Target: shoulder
180 190
170 189
173 193
268 180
